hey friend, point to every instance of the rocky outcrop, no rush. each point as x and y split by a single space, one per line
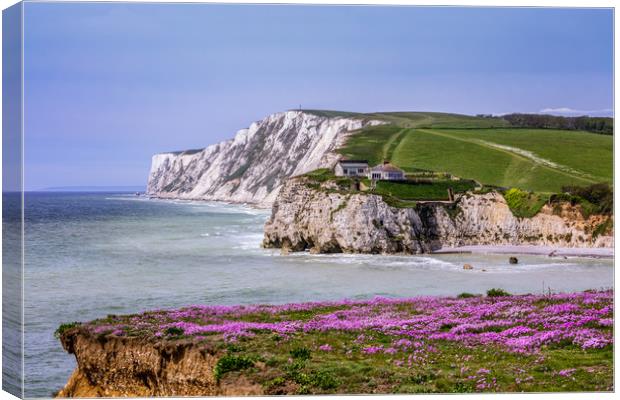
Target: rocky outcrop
112 366
324 220
251 167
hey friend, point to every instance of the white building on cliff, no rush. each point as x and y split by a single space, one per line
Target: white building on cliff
357 168
386 172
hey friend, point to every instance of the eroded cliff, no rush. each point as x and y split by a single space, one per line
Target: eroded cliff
251 167
121 366
325 220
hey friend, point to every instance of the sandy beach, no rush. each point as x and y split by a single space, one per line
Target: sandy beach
595 252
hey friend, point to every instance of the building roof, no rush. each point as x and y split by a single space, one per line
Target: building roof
386 167
353 161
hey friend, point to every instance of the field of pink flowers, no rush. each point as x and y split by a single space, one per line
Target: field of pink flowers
421 336
516 323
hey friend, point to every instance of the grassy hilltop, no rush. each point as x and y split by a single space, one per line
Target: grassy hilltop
489 150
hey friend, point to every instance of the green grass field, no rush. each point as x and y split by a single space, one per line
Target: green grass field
437 190
484 149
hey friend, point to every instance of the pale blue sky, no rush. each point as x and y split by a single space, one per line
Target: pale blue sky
107 85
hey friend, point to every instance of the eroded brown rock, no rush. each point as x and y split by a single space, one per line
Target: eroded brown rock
110 366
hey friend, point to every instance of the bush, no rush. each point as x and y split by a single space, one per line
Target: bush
174 331
600 195
229 363
497 293
323 380
302 353
466 295
603 229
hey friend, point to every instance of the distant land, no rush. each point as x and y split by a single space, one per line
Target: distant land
94 189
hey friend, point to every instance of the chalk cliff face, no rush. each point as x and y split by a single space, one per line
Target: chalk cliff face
251 167
327 221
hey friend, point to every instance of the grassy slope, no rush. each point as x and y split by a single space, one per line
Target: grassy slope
589 153
467 147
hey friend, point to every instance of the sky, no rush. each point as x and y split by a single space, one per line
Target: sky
108 85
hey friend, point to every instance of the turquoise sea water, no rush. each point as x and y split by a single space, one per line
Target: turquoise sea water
93 254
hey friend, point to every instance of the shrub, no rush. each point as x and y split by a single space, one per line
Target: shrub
229 363
323 380
497 293
600 195
302 353
174 331
465 295
602 229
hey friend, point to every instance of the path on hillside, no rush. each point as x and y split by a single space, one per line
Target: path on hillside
518 155
388 147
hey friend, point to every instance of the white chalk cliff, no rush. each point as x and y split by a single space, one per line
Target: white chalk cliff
326 221
251 167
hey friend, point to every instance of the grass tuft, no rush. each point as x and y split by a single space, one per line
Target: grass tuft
65 327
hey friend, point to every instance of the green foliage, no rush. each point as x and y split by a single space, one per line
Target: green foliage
466 295
323 380
525 204
603 229
600 197
229 363
321 175
302 353
495 292
64 327
603 125
436 190
174 331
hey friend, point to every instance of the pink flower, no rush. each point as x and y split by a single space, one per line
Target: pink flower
566 372
390 350
372 349
325 347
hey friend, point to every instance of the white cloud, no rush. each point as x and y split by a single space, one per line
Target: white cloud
572 111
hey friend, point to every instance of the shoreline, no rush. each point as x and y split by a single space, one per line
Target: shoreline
258 206
551 251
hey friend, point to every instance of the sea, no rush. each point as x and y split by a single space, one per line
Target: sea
88 255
